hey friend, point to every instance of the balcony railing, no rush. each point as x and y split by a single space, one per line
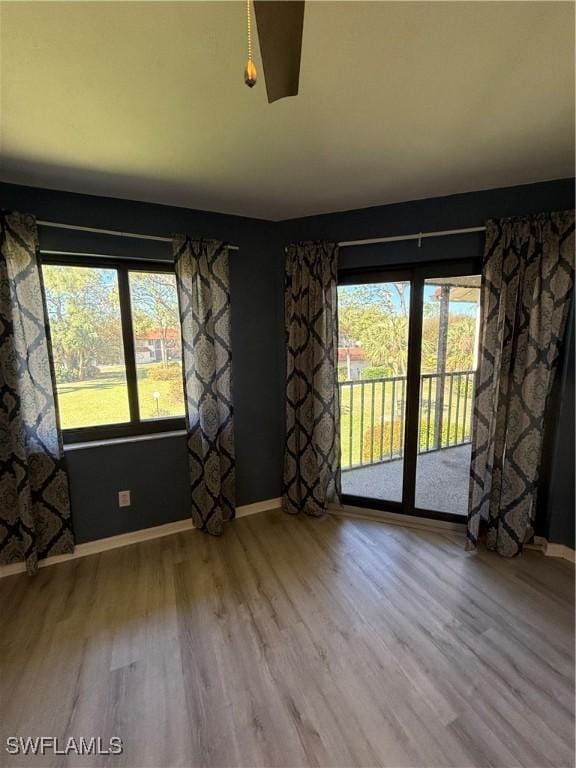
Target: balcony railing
373 415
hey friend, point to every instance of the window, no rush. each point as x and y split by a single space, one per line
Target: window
117 349
157 342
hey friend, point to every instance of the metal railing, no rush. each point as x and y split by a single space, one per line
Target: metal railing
373 412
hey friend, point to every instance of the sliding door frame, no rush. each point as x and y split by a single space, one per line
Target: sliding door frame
416 273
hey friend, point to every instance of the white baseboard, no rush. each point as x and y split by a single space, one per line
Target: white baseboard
550 549
559 550
134 537
393 518
540 544
258 506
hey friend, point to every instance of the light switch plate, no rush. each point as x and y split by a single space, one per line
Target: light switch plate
124 498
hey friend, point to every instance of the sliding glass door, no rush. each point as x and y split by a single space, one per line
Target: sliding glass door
406 360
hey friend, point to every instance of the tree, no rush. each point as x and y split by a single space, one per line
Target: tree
460 346
376 316
155 307
82 305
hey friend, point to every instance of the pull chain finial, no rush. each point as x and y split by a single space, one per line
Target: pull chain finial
250 74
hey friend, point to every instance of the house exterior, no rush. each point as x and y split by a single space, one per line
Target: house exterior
158 345
353 360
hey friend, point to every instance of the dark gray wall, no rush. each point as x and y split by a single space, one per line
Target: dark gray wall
155 470
555 518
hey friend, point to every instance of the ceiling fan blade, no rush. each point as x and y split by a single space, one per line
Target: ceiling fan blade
280 24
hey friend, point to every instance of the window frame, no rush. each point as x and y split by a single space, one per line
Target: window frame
136 426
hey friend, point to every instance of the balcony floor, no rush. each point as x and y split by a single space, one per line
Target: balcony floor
441 480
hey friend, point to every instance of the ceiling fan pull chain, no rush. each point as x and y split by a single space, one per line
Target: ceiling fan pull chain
250 74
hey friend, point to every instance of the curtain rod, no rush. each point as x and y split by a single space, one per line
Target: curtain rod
113 232
342 244
418 236
86 255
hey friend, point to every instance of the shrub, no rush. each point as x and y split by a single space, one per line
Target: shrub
381 435
377 372
172 372
384 433
454 438
175 390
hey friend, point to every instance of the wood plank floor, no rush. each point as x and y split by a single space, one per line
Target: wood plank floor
295 642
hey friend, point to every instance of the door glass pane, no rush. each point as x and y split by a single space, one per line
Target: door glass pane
449 357
84 314
372 363
157 344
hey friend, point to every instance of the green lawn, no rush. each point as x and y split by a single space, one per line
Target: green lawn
363 439
104 399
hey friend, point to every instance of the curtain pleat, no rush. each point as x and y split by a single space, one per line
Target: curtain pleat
312 451
527 281
35 519
202 277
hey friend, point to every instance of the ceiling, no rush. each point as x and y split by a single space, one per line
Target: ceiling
398 101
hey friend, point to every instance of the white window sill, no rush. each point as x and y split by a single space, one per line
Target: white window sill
121 440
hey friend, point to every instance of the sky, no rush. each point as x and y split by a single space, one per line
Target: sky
371 293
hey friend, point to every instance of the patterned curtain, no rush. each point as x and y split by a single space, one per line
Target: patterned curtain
312 455
35 517
204 295
526 287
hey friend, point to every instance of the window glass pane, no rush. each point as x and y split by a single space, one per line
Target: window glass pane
372 364
450 330
157 343
84 313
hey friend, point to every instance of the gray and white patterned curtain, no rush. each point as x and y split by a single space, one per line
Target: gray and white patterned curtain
204 296
312 453
35 519
527 282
